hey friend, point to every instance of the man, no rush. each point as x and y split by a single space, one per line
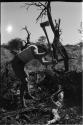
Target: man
19 61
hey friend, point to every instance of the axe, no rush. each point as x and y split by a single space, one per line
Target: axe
43 27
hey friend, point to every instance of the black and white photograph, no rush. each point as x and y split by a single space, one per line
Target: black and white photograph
41 62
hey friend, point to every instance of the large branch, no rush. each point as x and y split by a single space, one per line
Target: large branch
50 17
34 4
40 5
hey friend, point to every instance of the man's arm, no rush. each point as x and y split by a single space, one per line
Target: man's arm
36 53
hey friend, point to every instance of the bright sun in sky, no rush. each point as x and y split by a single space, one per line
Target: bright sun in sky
9 29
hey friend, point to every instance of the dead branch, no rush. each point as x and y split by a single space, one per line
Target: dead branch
33 3
41 14
28 38
25 28
28 33
41 6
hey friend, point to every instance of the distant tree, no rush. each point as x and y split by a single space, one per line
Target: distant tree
80 30
42 39
28 38
15 44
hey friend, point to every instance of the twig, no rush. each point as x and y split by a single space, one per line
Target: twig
42 4
41 14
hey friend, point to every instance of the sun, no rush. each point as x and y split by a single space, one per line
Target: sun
9 29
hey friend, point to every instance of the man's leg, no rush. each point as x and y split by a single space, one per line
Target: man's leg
66 64
18 67
22 94
24 88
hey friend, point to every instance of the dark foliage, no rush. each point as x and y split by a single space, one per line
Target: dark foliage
15 44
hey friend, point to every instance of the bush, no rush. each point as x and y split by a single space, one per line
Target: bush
15 44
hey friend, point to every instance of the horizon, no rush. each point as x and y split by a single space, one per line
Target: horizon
14 18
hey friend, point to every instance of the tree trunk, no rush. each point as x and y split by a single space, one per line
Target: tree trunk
50 17
57 44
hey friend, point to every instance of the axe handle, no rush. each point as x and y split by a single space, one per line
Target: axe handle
43 27
47 37
48 43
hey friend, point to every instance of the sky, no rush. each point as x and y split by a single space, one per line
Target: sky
14 17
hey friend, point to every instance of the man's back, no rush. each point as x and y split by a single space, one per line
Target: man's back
27 54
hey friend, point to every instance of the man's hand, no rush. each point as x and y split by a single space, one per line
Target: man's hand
50 51
46 62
